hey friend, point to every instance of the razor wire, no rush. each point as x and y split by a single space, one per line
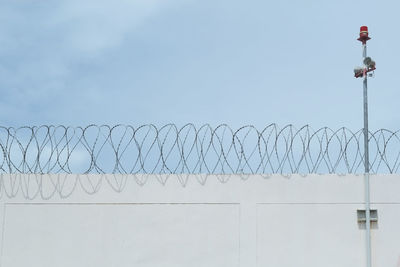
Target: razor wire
169 149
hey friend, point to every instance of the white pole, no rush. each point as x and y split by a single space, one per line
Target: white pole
366 164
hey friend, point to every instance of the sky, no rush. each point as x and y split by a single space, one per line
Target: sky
135 62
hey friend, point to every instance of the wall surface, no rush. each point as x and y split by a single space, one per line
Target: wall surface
149 220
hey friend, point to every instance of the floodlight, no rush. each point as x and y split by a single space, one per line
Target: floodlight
369 63
358 71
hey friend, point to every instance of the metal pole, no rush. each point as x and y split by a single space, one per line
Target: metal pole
366 164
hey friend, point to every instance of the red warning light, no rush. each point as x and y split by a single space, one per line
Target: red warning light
363 34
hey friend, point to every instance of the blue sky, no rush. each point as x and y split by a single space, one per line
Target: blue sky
161 61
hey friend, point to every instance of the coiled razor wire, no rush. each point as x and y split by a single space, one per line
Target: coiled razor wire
148 149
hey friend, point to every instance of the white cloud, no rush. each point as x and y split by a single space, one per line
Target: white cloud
92 26
85 26
42 43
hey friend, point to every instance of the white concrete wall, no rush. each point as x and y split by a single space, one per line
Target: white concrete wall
70 220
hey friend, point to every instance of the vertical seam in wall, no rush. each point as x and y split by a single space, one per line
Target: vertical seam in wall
2 233
256 234
240 233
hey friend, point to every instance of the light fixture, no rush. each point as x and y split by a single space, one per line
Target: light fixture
358 71
369 63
